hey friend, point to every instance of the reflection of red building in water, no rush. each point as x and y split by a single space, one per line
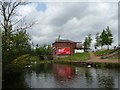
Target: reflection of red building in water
63 72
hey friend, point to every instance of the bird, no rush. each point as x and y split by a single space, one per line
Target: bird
89 66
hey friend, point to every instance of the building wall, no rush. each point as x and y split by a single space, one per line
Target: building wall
71 45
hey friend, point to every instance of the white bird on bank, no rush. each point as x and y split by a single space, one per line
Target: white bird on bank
89 66
28 66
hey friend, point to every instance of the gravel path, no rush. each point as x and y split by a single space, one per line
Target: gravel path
94 58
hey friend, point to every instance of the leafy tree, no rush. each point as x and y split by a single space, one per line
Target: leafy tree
87 42
110 37
15 40
20 41
103 38
43 51
98 41
106 37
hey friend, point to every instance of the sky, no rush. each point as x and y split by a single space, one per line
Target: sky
71 20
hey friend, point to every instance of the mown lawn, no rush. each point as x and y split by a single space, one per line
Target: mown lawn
77 56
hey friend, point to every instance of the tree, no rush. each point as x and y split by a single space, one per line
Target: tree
98 40
43 51
10 26
106 37
109 37
87 42
103 38
15 40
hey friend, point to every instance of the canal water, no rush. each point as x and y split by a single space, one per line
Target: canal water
51 75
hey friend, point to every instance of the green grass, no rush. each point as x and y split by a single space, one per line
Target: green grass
78 57
108 52
99 53
118 50
81 56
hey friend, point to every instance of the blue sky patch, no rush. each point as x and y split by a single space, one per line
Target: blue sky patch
41 6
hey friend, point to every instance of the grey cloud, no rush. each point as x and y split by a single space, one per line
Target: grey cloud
75 21
71 9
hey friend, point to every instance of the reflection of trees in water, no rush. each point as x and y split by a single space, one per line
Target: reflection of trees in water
45 68
15 81
89 77
105 81
119 82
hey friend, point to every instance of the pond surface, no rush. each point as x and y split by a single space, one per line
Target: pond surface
50 75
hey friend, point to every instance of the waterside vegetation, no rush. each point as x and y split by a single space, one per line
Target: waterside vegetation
18 51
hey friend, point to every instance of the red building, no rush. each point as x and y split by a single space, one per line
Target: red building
65 47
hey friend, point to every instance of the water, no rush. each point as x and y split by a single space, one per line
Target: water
65 76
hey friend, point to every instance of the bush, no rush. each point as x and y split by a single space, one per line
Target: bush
18 64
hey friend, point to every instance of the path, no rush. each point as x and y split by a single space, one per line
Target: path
94 58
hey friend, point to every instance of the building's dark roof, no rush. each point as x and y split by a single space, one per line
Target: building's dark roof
78 45
61 40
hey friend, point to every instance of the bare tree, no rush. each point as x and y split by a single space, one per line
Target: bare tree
8 12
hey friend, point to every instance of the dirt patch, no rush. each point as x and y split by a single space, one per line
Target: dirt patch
94 58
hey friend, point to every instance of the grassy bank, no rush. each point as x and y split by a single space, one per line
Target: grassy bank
112 54
102 52
76 57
